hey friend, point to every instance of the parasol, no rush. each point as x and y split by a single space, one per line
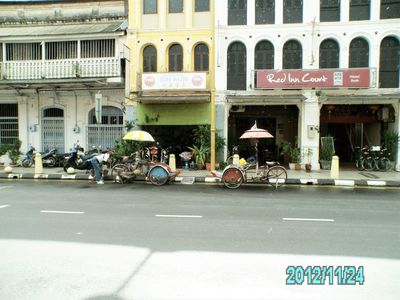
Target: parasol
138 135
256 133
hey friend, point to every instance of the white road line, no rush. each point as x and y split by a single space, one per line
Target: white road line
5 187
61 212
178 216
4 206
312 220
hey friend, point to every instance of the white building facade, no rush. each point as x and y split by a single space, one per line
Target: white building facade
358 39
58 59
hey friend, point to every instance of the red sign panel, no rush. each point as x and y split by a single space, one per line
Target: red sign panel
336 78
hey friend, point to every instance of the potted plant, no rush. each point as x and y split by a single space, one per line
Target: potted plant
200 154
391 140
201 136
293 153
325 157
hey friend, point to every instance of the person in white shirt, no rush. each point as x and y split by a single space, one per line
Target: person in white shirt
96 161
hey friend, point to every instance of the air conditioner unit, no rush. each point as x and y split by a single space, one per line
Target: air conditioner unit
238 108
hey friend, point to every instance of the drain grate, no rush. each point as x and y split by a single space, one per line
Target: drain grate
187 180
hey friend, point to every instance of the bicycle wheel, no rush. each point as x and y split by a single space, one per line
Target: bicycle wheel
359 164
158 175
277 176
384 164
121 173
368 164
232 178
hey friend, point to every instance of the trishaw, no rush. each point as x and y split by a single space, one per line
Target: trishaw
270 172
158 173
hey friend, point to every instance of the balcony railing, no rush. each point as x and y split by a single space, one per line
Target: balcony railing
60 69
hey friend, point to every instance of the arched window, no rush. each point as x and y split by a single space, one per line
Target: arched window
292 55
236 70
329 10
329 54
388 66
175 58
292 11
359 10
265 11
359 53
237 12
201 58
150 59
110 129
264 55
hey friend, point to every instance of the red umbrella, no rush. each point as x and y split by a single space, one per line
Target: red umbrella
256 133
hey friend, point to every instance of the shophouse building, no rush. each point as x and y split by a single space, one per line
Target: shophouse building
58 59
171 81
306 69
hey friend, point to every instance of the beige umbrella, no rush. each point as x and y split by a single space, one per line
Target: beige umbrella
138 135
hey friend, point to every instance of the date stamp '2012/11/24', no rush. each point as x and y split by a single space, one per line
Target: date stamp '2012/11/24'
321 275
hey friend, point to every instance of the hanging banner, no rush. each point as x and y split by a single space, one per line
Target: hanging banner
98 106
329 78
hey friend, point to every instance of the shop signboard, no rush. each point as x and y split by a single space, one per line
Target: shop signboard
323 78
174 81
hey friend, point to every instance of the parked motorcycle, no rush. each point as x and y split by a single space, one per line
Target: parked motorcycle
49 158
29 158
78 160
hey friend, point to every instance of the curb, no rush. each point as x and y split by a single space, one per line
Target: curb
202 179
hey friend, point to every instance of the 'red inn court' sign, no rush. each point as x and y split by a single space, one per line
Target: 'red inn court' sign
329 78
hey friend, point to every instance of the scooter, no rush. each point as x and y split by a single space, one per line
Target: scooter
78 160
28 160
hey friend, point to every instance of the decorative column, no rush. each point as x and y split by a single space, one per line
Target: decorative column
397 128
308 139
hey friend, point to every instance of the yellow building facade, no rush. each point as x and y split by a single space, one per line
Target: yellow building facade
171 69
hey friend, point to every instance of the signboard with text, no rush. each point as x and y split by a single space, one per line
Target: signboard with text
329 78
174 81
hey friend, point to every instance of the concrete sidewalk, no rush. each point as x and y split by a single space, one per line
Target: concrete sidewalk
347 176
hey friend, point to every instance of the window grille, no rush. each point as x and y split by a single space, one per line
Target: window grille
175 58
390 9
149 7
175 6
23 51
264 56
201 58
8 123
389 63
237 12
329 54
265 11
329 10
292 55
292 11
61 50
359 53
236 70
53 129
150 59
105 134
98 48
202 5
359 10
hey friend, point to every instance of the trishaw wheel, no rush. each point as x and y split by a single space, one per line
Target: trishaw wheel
158 176
232 178
277 176
119 172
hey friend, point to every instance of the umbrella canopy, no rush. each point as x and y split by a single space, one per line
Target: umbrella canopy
256 133
138 135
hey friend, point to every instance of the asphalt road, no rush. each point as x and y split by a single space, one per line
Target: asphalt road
76 240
